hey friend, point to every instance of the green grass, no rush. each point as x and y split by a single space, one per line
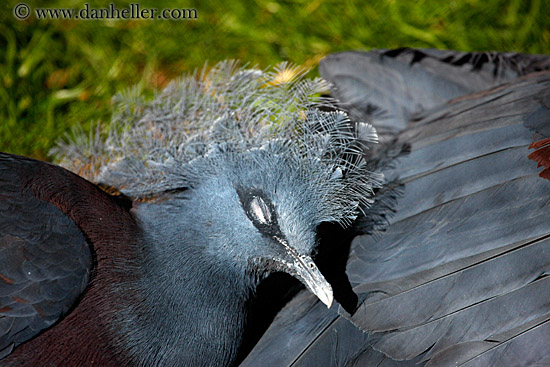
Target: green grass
58 73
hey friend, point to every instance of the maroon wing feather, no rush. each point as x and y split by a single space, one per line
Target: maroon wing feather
52 224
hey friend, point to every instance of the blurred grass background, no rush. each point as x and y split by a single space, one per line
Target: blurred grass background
58 73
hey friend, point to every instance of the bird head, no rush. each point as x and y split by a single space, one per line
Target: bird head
255 161
258 215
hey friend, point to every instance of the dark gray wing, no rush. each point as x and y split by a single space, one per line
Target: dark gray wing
387 87
460 275
44 257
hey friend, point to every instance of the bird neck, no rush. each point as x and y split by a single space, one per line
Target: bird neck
194 305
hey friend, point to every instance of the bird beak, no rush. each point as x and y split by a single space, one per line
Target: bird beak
308 273
304 269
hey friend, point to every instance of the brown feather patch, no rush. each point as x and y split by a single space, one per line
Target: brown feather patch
540 143
6 279
542 156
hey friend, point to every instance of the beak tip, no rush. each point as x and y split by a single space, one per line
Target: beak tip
326 297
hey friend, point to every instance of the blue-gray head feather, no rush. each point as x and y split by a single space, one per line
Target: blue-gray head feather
233 118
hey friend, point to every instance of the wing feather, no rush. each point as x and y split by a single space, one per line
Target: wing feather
459 277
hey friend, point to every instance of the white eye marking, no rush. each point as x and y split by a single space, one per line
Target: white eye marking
260 211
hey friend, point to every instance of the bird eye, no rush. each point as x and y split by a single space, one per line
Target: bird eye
260 210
